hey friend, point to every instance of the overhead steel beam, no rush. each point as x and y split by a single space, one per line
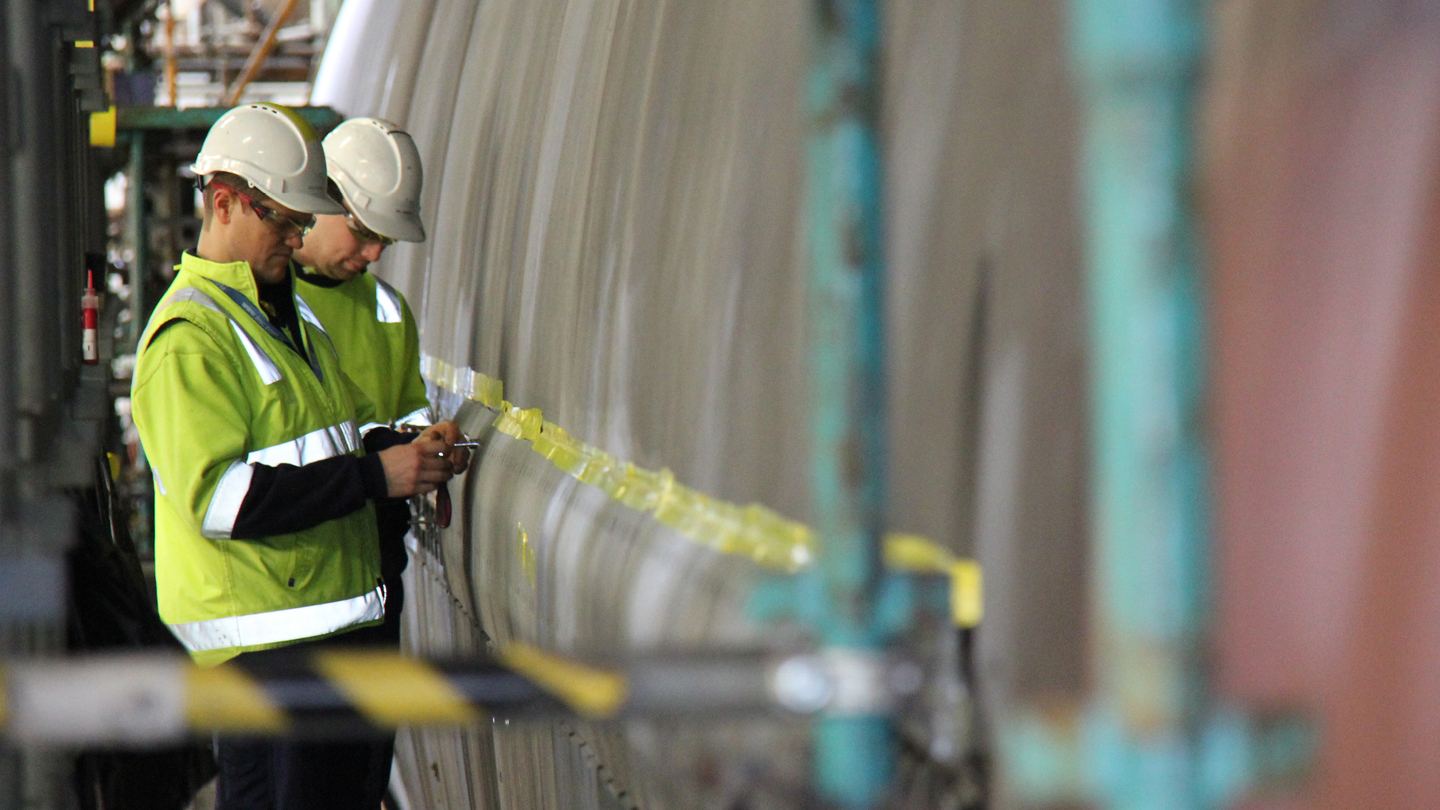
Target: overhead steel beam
257 56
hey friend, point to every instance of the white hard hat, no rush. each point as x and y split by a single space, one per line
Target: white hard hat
377 167
274 149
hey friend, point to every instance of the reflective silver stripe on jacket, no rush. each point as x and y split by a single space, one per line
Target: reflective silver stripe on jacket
264 366
159 485
196 295
225 502
420 416
369 426
387 303
308 314
291 624
267 369
317 445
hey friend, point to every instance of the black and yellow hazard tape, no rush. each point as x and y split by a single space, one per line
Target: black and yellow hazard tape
349 690
331 692
754 531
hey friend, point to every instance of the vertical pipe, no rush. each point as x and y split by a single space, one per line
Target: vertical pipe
139 238
171 71
7 300
847 374
1138 62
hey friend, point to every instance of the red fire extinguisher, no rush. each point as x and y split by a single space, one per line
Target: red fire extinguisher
90 309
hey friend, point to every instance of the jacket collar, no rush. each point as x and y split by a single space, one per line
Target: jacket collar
232 274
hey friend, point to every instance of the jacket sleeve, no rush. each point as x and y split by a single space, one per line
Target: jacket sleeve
193 414
413 399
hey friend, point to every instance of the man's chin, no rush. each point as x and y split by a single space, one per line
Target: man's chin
277 265
345 273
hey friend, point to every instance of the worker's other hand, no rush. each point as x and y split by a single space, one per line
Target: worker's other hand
459 457
418 467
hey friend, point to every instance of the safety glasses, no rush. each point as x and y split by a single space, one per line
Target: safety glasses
363 234
283 224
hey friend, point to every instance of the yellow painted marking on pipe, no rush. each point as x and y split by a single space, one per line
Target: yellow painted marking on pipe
84 43
526 554
909 552
594 693
966 593
390 689
4 693
224 698
102 127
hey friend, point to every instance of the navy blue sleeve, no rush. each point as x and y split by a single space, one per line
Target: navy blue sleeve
284 499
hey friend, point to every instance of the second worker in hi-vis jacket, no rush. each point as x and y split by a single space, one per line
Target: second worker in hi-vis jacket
375 174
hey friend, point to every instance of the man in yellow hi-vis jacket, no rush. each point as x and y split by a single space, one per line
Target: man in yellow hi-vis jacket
266 456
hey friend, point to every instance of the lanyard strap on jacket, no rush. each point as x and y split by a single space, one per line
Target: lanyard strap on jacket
270 328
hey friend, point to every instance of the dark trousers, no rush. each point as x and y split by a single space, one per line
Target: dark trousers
265 774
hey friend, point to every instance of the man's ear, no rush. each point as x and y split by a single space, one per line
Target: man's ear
224 205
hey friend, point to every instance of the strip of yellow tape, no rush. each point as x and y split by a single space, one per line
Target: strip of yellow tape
224 698
753 531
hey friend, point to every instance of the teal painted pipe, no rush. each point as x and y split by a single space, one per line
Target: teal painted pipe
854 754
1138 61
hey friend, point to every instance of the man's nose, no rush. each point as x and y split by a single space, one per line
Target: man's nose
295 240
372 251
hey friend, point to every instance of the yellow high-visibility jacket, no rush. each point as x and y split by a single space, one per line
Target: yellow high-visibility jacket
216 389
378 342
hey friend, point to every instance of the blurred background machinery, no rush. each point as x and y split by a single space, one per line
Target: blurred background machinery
1153 350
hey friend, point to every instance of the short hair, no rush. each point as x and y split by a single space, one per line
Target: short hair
228 179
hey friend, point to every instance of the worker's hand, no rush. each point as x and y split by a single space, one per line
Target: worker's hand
418 467
459 457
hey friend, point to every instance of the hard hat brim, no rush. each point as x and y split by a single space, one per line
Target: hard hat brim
307 203
404 227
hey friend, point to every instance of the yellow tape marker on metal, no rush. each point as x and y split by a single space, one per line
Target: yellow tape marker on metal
390 689
967 604
102 127
4 690
84 43
594 693
752 531
526 554
491 392
224 698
